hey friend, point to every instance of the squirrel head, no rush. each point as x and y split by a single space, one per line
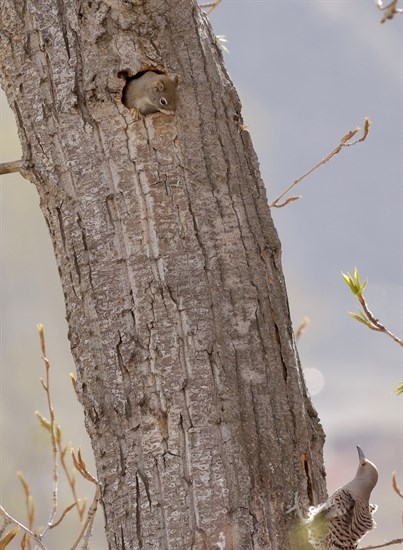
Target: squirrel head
163 93
151 92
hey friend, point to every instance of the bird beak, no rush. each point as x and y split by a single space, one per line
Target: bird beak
361 455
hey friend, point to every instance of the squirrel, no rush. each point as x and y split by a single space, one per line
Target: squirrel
151 93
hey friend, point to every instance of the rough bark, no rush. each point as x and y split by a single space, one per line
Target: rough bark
170 264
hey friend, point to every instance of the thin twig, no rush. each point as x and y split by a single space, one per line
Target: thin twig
211 5
343 143
52 428
8 537
10 167
395 485
365 317
22 526
29 506
375 324
302 328
66 511
86 529
70 479
390 9
6 523
389 543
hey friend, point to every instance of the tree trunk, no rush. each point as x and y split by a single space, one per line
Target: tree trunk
170 264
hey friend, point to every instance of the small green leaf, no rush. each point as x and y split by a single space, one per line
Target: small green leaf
361 318
349 281
399 389
358 285
354 282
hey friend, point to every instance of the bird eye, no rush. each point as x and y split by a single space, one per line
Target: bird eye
163 101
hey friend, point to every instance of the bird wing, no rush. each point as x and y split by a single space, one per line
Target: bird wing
362 520
337 505
321 518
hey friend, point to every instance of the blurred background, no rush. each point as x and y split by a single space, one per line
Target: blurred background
307 72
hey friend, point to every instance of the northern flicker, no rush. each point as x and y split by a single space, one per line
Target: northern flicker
341 521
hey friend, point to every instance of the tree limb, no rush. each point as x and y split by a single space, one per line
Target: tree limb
10 167
383 545
390 9
377 325
344 142
24 528
211 5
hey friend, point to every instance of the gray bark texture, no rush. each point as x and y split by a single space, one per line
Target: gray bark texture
179 325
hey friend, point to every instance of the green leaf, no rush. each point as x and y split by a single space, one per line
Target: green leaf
399 389
358 285
354 282
349 281
361 318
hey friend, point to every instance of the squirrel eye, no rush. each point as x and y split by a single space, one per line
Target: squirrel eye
163 101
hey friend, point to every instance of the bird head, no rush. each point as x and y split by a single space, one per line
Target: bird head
365 479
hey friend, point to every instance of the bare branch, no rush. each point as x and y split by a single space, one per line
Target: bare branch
211 5
82 467
302 328
376 324
29 500
287 201
5 524
66 511
395 485
10 167
36 537
389 9
383 545
344 142
52 430
86 529
8 537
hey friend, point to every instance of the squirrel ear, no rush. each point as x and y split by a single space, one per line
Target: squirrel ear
159 86
175 80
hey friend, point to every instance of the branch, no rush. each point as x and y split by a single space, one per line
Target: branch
6 523
66 511
86 529
383 545
10 167
377 325
69 476
395 485
52 429
343 143
21 526
366 316
211 5
390 9
302 327
29 501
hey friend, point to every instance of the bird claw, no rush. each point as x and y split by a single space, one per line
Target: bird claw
296 507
